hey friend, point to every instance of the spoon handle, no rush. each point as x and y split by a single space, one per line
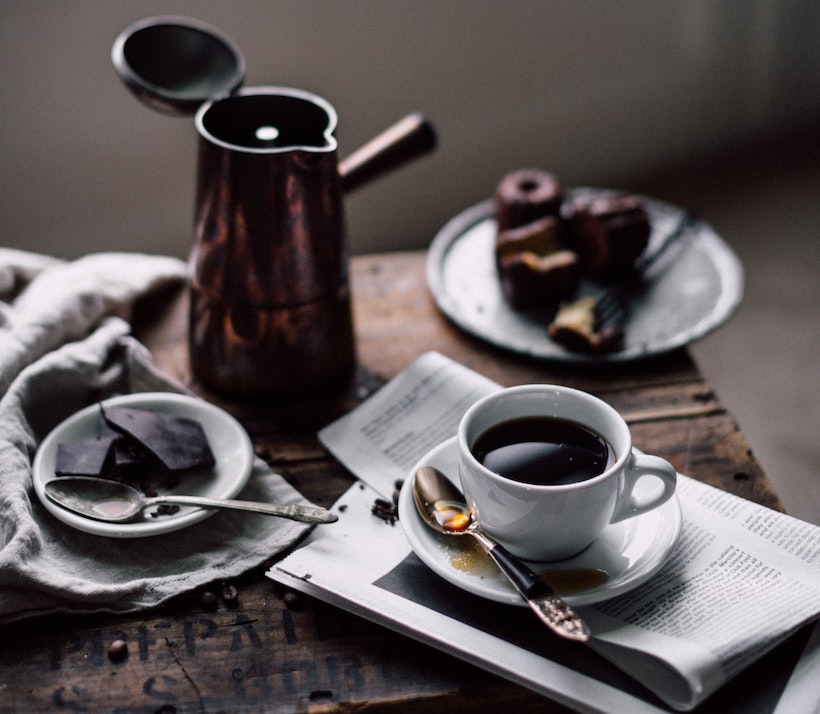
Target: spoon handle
296 512
542 599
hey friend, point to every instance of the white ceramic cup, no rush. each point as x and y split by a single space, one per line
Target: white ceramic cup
554 522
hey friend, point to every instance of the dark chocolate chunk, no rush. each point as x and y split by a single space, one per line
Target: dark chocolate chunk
130 460
89 457
103 430
177 442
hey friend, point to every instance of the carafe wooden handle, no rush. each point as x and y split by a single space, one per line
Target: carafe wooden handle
407 139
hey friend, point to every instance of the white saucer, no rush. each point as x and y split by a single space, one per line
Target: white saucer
229 442
630 552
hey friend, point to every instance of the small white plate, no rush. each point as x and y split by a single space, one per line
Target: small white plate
229 443
630 552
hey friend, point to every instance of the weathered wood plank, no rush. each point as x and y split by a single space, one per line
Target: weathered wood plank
263 655
396 319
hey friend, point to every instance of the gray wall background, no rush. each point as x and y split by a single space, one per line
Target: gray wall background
600 92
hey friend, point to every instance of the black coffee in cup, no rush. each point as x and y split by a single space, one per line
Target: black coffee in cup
545 451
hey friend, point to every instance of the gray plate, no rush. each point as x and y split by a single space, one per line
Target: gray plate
693 289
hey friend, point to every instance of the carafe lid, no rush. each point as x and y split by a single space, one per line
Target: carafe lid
176 64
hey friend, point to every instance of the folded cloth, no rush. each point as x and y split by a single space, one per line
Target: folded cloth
65 344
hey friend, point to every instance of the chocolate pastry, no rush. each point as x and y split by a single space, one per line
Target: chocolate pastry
608 231
526 195
529 279
540 237
578 328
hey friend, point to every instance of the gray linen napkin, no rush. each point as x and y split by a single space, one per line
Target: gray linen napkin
65 344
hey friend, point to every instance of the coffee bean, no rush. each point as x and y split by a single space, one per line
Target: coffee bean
209 601
118 650
264 453
230 596
386 510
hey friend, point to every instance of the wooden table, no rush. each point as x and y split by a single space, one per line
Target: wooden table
271 654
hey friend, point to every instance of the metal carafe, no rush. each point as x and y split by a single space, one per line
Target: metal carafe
270 296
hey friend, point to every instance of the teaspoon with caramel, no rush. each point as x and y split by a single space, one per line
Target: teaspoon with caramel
442 507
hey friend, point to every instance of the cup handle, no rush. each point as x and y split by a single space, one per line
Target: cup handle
639 466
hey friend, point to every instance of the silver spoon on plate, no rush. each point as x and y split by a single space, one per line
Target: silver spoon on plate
117 502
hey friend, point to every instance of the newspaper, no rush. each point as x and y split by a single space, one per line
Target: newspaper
742 581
